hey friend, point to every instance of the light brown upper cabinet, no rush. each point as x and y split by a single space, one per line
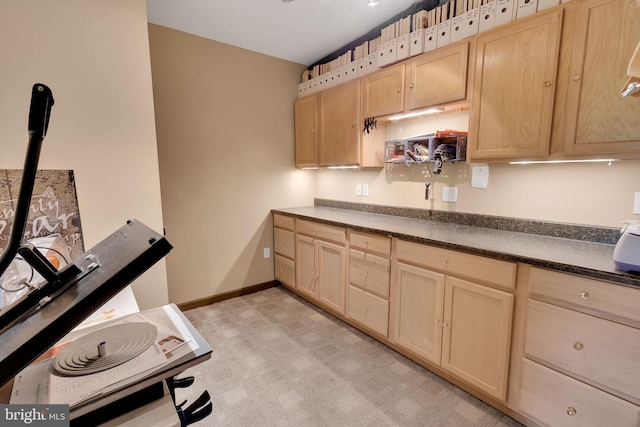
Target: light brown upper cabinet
598 120
384 91
329 130
339 125
306 127
438 77
431 79
514 88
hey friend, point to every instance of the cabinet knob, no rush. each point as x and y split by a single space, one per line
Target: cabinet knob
584 295
578 345
443 261
397 90
313 131
547 84
445 324
410 85
571 411
576 78
354 123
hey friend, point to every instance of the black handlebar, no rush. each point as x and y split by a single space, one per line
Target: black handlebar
40 110
39 114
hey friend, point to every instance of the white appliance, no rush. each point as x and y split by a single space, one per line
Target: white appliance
626 254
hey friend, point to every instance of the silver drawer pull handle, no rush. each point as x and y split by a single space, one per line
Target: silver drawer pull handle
578 345
584 295
571 411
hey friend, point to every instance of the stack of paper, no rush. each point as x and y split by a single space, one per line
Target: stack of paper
36 384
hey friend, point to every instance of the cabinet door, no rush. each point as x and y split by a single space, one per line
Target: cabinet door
384 92
339 125
284 270
417 297
477 335
514 88
306 125
370 272
306 266
574 343
369 310
332 265
438 77
599 120
553 399
284 242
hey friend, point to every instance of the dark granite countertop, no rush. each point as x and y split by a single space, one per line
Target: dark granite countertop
581 257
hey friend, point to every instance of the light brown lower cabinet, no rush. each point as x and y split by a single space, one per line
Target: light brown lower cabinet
321 271
581 364
284 249
576 341
369 310
369 278
554 399
461 326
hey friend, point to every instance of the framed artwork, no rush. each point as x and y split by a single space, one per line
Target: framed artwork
53 210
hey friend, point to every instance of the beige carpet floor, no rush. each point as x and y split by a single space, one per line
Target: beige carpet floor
280 361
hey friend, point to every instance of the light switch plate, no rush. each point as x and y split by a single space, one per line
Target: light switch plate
358 189
365 190
450 194
636 203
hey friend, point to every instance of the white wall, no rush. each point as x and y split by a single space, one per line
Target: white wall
95 58
584 193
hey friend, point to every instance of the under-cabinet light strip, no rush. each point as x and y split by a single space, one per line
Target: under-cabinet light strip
564 161
416 114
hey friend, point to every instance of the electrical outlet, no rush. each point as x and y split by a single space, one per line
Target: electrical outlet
636 203
365 190
358 189
450 194
266 252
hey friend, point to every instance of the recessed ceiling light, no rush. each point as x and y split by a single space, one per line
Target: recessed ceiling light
287 1
370 2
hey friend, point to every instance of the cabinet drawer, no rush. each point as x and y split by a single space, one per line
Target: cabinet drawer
369 310
551 398
603 299
321 231
370 242
370 272
284 270
597 351
477 268
283 221
284 242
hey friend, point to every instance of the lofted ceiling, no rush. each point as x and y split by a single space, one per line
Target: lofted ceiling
301 31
